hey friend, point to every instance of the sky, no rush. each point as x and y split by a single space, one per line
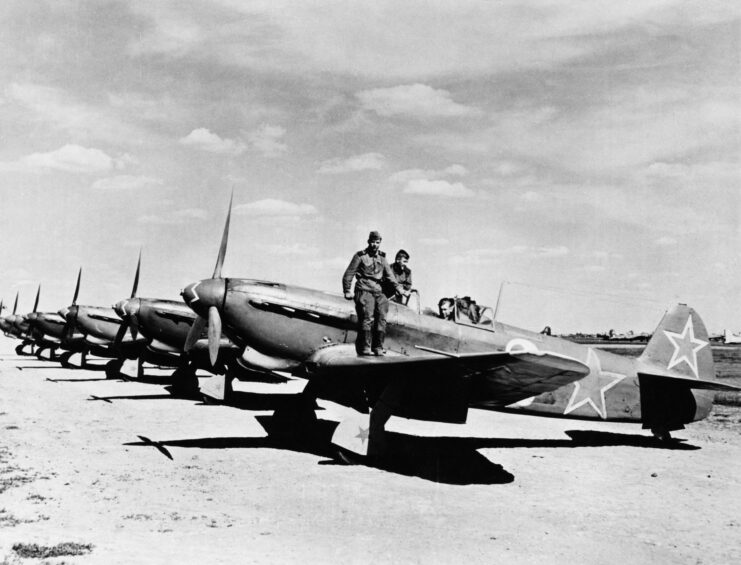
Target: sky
581 156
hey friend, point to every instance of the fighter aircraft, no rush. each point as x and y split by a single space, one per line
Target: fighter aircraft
6 324
437 369
98 326
166 325
20 328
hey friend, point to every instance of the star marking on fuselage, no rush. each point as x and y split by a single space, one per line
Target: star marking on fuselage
363 434
592 388
686 346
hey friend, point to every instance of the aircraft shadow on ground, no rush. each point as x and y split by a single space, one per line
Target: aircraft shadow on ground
132 397
458 464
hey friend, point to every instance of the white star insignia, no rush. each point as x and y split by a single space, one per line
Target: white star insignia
595 384
363 434
686 346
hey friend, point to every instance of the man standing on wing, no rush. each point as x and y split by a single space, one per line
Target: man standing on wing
370 269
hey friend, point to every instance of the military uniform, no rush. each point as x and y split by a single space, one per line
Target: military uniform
371 304
403 276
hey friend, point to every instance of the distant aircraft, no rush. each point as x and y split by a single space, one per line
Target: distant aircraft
731 337
6 322
436 369
98 326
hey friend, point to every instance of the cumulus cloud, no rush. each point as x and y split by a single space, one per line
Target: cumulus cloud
431 182
483 256
437 188
177 217
202 138
364 162
412 100
126 182
267 138
270 207
70 159
55 108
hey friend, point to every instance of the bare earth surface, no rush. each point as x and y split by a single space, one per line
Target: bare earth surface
502 488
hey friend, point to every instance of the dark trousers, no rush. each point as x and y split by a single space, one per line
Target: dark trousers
371 308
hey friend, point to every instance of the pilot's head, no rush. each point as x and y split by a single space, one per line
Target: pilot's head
374 241
446 306
402 257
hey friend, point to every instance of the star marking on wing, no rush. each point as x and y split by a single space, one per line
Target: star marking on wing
363 434
686 346
592 388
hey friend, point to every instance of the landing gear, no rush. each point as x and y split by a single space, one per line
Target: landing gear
113 369
662 435
185 382
64 359
296 419
365 434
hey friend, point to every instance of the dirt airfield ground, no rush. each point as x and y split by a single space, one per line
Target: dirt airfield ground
77 465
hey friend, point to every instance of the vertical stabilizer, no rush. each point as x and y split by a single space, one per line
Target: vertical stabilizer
676 362
680 345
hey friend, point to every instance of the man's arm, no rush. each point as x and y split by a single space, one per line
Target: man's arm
349 274
389 275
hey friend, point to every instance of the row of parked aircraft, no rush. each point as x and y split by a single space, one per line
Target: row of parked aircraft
435 369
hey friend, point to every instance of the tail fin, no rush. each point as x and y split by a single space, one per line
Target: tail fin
680 347
676 363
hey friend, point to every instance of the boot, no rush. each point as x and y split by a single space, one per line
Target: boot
378 344
364 343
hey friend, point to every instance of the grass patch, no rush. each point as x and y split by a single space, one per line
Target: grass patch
7 520
35 551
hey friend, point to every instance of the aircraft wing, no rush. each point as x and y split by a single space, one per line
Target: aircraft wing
517 374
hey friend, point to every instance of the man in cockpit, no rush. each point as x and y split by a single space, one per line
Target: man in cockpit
446 306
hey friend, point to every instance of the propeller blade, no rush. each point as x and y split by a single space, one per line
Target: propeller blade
194 333
121 333
71 323
15 305
136 277
224 239
77 288
134 327
214 334
36 304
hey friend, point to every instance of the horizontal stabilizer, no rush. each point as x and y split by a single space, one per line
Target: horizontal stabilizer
691 383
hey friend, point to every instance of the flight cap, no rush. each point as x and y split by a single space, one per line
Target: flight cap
374 235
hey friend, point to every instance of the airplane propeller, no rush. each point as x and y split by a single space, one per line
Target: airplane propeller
73 310
32 316
130 322
214 318
36 303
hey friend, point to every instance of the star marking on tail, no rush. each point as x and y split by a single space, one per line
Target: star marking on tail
686 346
592 388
